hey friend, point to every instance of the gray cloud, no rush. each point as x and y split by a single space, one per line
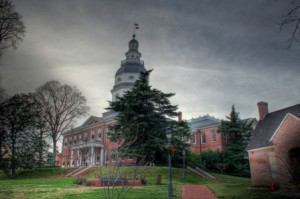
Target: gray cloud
212 54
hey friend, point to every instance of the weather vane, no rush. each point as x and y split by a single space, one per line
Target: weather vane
135 27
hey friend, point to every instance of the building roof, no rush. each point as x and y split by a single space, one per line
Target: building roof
203 122
266 128
131 68
91 121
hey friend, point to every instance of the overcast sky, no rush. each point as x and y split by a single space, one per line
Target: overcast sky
211 53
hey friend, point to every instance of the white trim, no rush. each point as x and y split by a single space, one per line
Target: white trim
288 114
212 133
262 148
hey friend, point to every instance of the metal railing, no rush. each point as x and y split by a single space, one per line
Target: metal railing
126 61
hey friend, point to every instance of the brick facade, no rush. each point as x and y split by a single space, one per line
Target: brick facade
260 167
207 140
274 149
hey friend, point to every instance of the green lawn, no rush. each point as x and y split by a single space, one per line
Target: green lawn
37 185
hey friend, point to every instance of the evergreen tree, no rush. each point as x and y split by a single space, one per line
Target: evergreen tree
238 132
142 121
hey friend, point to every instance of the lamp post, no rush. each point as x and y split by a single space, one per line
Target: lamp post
183 163
170 186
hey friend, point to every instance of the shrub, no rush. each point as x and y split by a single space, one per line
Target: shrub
82 181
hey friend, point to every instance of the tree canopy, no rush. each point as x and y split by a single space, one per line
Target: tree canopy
19 115
12 28
291 19
62 105
143 116
238 133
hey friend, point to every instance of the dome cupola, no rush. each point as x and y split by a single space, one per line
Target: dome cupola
133 44
129 71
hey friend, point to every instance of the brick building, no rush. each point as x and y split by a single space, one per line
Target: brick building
274 148
205 136
89 144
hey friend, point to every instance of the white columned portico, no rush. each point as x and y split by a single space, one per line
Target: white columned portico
80 157
77 163
101 157
92 156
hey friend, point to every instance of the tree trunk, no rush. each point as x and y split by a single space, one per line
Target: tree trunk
54 152
40 149
13 162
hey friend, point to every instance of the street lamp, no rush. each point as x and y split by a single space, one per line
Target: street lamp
169 138
183 163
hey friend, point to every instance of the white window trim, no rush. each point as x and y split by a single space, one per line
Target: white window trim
194 138
212 136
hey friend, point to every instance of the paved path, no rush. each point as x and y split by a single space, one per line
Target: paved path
196 192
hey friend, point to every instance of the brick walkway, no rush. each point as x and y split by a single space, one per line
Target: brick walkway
196 192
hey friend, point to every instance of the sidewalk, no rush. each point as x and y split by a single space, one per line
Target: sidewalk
197 192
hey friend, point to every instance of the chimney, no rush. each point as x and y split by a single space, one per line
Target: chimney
262 109
179 116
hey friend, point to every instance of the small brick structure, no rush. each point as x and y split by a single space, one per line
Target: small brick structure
101 182
274 148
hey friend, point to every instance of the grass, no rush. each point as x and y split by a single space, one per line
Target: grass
37 184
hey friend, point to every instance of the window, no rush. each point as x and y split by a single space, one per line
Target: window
113 156
99 134
203 138
119 79
226 137
194 136
182 138
131 77
93 135
85 136
214 136
107 133
66 141
80 137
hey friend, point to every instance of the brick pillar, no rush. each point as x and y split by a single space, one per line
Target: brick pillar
262 109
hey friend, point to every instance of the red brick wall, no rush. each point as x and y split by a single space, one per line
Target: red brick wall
260 167
286 138
199 147
66 150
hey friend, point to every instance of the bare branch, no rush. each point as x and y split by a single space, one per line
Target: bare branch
62 105
291 18
12 28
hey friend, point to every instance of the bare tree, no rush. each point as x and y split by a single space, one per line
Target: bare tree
12 28
292 18
119 178
62 105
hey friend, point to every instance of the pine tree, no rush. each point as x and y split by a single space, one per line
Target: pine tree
238 132
142 120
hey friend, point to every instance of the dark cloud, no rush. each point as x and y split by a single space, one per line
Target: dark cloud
211 53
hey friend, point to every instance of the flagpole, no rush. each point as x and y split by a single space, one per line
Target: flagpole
135 27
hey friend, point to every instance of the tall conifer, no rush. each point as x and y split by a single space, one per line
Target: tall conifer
143 116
